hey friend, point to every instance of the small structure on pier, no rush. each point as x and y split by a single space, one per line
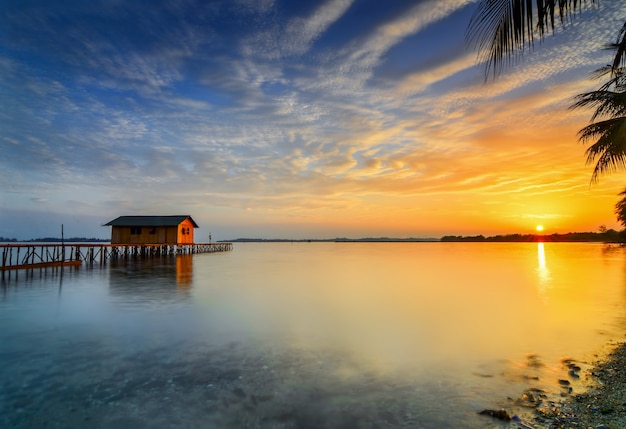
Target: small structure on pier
173 230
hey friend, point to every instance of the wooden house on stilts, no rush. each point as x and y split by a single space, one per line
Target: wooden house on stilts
174 230
131 236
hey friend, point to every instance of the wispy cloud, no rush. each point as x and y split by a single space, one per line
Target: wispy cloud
290 113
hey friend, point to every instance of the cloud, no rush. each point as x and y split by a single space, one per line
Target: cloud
369 52
300 112
300 34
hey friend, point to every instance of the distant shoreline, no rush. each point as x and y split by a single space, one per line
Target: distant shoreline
332 240
56 240
609 236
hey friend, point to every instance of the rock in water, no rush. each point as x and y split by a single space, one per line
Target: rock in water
498 414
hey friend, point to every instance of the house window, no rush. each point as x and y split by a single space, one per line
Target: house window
153 231
135 230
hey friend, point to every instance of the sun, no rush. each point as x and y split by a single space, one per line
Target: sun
539 228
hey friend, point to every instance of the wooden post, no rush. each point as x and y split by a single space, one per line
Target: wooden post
62 245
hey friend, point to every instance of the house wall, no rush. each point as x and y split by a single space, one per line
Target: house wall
145 235
185 232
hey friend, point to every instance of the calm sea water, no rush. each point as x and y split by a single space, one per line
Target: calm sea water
305 335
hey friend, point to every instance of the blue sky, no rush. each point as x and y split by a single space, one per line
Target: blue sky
291 119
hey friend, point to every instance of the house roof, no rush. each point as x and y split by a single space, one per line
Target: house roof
150 221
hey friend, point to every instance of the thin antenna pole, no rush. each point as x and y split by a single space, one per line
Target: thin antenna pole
62 245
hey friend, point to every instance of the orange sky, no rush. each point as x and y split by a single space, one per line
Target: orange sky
320 122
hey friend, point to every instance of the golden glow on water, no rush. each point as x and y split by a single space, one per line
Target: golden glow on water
395 306
441 329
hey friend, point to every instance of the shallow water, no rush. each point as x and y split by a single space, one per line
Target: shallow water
305 335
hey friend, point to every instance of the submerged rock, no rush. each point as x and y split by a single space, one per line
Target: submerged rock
531 398
534 361
498 414
573 368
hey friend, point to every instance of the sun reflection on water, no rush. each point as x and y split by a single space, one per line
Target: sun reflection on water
543 272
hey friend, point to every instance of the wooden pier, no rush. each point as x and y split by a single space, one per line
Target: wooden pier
28 256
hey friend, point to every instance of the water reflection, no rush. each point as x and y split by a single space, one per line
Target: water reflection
393 306
184 271
151 280
542 269
311 335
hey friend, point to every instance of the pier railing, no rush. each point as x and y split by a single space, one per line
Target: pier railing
27 256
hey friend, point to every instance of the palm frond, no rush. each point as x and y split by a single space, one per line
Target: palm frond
606 103
620 208
602 72
609 150
491 31
619 61
501 30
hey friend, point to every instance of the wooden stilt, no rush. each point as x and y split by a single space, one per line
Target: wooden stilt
48 255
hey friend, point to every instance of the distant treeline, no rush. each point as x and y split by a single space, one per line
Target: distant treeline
608 236
331 240
383 239
56 240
